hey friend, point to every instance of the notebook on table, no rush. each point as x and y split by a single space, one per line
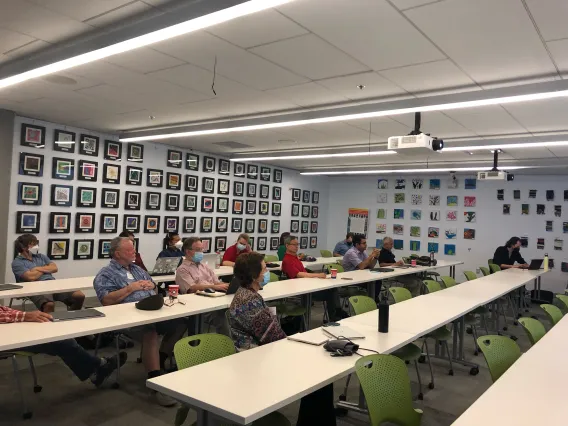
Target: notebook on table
75 315
342 332
310 338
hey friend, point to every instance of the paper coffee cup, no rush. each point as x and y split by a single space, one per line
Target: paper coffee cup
173 290
334 273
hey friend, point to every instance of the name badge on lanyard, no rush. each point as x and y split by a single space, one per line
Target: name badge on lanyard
129 276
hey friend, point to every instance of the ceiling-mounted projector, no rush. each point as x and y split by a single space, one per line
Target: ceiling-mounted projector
417 143
495 175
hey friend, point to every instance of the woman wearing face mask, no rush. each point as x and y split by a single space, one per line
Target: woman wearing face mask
252 324
241 246
172 245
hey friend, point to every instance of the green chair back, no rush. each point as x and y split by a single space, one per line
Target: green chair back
534 328
470 275
331 266
202 348
400 294
432 285
500 353
386 386
494 267
489 262
362 304
448 281
274 277
326 253
553 313
270 258
485 271
563 302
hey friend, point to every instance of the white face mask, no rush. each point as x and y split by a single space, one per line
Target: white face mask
34 250
179 245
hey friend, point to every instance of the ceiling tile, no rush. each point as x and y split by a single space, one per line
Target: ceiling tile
121 14
382 127
550 17
259 28
307 94
430 77
375 86
345 133
80 10
11 40
559 51
435 123
309 56
521 154
144 60
27 49
505 46
559 151
541 116
487 120
406 4
369 30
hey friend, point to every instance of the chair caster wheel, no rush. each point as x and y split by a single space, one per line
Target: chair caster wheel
27 415
519 316
534 317
421 396
469 331
138 360
431 386
422 359
451 372
343 397
474 371
115 385
514 338
526 310
515 322
37 389
340 412
407 362
505 328
476 353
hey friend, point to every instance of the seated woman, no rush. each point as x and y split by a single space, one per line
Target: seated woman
252 324
172 245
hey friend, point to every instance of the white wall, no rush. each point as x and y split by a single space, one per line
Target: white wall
155 156
492 227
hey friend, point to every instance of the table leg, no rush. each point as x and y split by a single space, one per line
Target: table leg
371 285
202 417
453 272
307 303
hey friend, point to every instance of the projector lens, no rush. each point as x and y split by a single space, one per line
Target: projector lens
437 144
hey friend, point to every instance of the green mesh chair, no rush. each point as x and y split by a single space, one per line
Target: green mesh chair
386 386
500 353
494 268
534 328
345 292
562 302
482 311
489 262
485 270
286 308
470 275
362 304
270 258
448 281
326 253
400 294
553 313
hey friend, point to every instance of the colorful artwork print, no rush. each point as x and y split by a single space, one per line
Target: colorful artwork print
398 214
416 214
450 249
452 200
435 184
400 184
415 231
470 183
469 217
433 232
451 215
382 184
434 200
469 201
414 245
433 247
451 233
399 198
416 199
469 234
381 228
398 229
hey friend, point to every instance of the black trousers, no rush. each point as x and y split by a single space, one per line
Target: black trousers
317 409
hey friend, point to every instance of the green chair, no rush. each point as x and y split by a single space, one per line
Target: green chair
270 258
362 304
534 328
432 286
326 253
500 353
274 277
448 281
482 310
386 386
331 266
470 275
489 262
562 302
345 292
494 268
485 270
553 313
400 294
288 309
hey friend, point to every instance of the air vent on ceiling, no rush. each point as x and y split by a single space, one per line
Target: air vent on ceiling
232 144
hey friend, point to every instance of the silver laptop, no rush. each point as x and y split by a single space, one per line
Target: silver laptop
165 266
75 315
209 259
4 287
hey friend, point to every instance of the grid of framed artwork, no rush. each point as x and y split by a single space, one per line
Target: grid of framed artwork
304 207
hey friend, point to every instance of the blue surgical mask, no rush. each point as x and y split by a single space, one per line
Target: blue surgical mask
265 279
241 247
197 257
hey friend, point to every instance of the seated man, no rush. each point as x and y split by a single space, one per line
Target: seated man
79 361
30 265
344 245
506 256
231 254
411 282
292 266
357 257
192 276
124 282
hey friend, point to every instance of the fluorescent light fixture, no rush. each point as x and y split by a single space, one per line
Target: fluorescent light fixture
186 27
440 170
505 146
312 156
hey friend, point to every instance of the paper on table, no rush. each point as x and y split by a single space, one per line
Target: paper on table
310 337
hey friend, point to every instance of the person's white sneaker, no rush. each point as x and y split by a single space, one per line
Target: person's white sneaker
163 400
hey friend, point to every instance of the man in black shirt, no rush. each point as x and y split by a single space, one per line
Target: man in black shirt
386 258
506 256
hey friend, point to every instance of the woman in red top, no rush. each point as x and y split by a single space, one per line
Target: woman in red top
241 246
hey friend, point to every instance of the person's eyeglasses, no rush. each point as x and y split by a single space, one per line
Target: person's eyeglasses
295 244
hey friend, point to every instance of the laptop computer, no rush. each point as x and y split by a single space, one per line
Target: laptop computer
535 264
209 260
165 266
75 315
382 270
4 287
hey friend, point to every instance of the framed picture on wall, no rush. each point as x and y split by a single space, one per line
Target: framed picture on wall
296 194
206 224
305 211
276 193
315 212
29 193
84 223
88 170
238 189
249 226
134 175
305 227
294 226
58 248
86 197
222 224
295 210
314 227
276 208
135 152
208 164
27 222
151 224
206 245
190 203
237 206
207 204
223 186
222 205
208 185
251 207
236 224
175 158
275 227
262 226
31 164
251 190
59 222
264 191
239 169
274 243
172 202
306 196
251 243
153 200
110 198
277 176
315 198
132 200
313 242
192 161
173 181
189 225
83 249
104 249
32 136
171 224
61 195
265 174
111 173
220 243
64 141
109 223
252 171
261 243
303 242
224 167
154 178
191 183
89 145
113 150
62 168
132 223
263 207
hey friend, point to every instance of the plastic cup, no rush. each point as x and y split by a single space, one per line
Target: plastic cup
413 262
173 291
334 273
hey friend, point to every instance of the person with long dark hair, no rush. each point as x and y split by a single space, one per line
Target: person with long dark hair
506 256
172 245
282 246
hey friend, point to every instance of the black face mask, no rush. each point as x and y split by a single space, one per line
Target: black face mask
350 243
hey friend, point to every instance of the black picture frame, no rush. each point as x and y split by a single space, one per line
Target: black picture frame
275 227
206 245
189 224
236 224
261 243
67 141
239 170
251 190
250 207
208 164
220 244
303 243
224 167
262 226
108 223
191 183
221 224
276 209
251 243
250 225
238 206
134 175
61 195
135 152
83 249
314 227
315 197
207 204
104 249
175 158
108 200
153 200
111 173
294 226
305 211
222 204
32 136
252 171
305 196
305 227
274 243
132 200
295 210
28 222
29 193
208 185
277 176
223 186
154 178
59 222
173 181
86 197
89 145
192 161
113 150
313 242
315 212
238 188
88 170
265 174
264 208
131 223
264 191
206 224
58 248
171 224
190 203
151 224
172 202
31 164
296 194
62 168
276 193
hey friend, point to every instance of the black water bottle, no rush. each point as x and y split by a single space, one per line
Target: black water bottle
431 258
383 315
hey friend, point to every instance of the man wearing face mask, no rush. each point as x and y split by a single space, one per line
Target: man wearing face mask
193 275
241 246
342 246
30 265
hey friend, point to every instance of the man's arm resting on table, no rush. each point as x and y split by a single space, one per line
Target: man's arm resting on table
117 296
369 262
